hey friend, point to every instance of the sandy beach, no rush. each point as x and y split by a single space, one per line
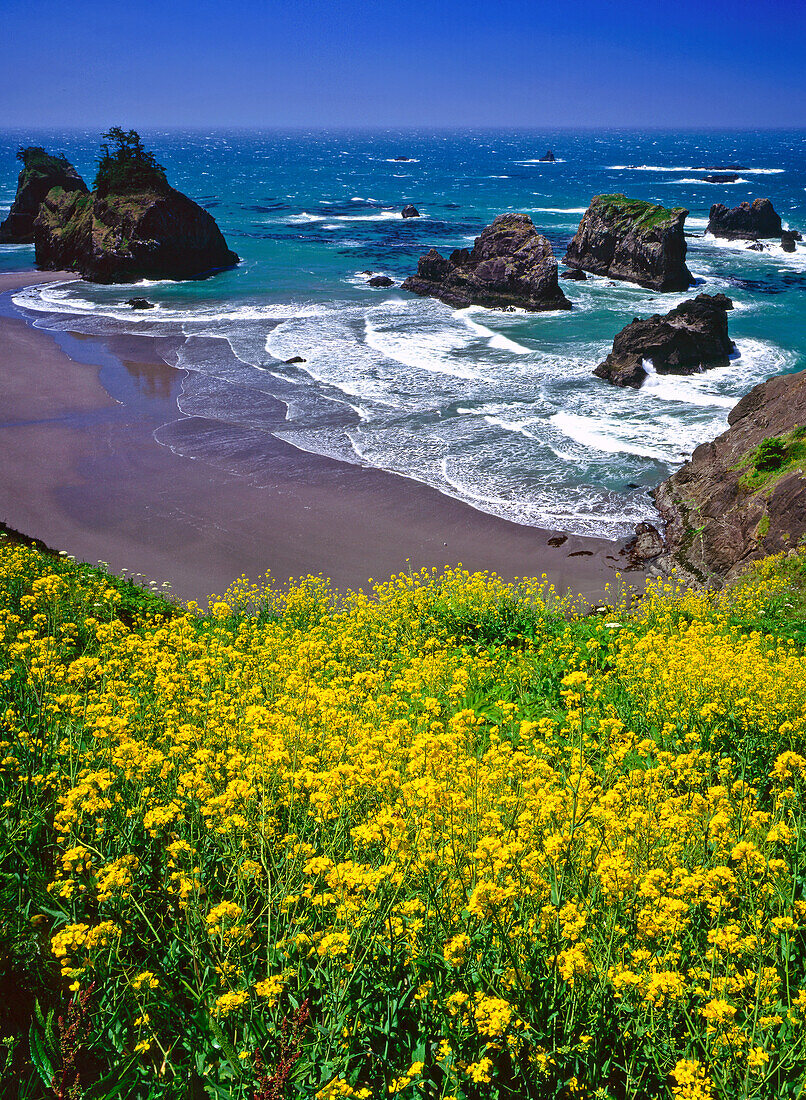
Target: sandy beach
82 470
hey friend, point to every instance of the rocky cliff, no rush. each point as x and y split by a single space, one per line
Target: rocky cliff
690 338
121 238
747 221
632 240
744 495
40 173
510 264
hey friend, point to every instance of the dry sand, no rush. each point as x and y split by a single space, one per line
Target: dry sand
82 470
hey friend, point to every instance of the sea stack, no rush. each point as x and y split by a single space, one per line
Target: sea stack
510 264
743 495
746 222
632 240
133 226
688 339
40 173
548 157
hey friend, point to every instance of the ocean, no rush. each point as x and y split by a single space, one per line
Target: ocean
497 409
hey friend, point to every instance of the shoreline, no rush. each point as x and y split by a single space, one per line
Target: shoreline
84 473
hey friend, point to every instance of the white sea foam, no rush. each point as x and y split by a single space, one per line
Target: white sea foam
539 160
706 183
559 209
687 168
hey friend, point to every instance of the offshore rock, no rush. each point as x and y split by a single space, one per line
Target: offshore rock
157 233
788 238
410 211
575 274
40 172
510 264
380 281
688 339
747 221
728 505
548 156
632 240
139 303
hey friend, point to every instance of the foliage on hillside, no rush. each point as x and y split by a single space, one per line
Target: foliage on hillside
443 839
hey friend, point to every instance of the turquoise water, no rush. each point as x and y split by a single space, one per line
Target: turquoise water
497 409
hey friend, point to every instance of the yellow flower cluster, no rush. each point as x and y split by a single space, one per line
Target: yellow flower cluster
449 807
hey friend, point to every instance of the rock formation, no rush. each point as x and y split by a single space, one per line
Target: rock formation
380 281
133 226
548 156
510 264
139 303
788 238
730 177
689 338
575 274
748 221
632 240
40 172
410 211
744 495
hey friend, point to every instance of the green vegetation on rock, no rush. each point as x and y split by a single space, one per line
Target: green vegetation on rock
774 457
126 167
636 212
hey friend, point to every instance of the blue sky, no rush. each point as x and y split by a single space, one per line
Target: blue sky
206 63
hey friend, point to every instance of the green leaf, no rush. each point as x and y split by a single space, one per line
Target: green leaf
39 1057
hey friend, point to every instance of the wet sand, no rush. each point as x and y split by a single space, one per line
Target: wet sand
82 470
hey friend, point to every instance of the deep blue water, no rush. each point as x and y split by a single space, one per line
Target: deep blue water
498 409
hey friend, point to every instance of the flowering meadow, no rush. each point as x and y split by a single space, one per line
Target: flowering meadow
446 838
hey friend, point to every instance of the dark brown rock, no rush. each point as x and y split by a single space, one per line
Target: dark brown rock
510 264
121 238
632 240
689 338
747 221
139 303
715 520
40 172
788 238
645 546
548 156
410 211
576 274
729 177
380 281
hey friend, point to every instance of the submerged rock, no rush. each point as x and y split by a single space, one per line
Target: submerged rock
743 495
40 173
510 264
410 211
548 156
576 274
632 240
688 339
747 221
731 177
139 303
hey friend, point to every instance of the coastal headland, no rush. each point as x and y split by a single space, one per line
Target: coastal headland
84 473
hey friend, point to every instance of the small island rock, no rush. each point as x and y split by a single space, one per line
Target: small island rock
576 274
410 211
139 303
688 339
40 173
380 280
133 226
510 264
747 221
548 156
632 240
